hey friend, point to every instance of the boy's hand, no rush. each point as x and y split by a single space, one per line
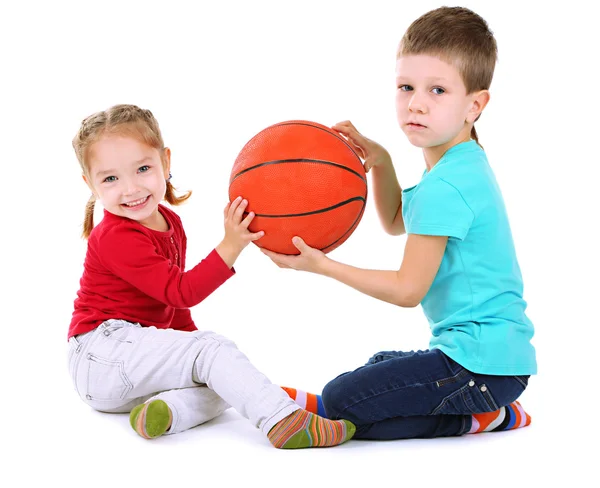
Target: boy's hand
309 259
372 153
237 235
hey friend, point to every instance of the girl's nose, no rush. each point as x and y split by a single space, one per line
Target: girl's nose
130 187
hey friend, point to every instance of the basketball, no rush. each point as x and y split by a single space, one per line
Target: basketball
300 179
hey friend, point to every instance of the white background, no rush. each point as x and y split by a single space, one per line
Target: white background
214 74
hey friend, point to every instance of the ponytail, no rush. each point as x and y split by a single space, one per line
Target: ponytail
174 199
88 221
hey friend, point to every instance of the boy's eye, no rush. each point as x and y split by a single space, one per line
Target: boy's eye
109 179
405 88
438 91
144 168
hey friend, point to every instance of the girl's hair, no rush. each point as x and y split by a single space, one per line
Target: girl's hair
457 36
125 120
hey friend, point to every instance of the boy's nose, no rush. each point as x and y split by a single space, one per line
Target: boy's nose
416 104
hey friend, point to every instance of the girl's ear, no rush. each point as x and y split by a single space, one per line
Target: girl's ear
167 162
87 182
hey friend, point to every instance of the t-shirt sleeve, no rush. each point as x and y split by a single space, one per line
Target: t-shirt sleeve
438 209
132 256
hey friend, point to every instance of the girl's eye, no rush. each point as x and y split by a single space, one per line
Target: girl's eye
110 179
405 88
438 91
144 168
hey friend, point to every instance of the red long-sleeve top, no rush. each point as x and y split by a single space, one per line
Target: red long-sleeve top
137 274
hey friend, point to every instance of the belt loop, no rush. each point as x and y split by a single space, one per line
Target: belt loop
77 344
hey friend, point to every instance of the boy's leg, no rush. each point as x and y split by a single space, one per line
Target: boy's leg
417 394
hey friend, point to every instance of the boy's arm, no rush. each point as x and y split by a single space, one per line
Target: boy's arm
388 198
388 194
406 287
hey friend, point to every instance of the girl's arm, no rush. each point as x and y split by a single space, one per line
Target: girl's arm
406 287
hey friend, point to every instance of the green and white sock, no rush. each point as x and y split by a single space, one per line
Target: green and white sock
151 419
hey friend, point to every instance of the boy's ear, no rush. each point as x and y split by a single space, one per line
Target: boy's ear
478 102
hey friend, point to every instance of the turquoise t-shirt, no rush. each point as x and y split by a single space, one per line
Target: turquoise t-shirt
475 305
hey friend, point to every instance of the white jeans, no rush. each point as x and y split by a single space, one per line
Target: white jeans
198 374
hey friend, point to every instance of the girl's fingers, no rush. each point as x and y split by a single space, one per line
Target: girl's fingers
239 211
248 219
233 206
257 235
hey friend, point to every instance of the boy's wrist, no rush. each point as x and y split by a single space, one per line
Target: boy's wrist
325 267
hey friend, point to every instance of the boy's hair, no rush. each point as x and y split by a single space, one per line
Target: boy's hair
125 120
457 36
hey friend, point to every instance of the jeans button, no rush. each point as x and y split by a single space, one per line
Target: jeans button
483 388
471 383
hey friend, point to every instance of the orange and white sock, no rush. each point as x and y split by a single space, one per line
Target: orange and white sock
306 401
507 418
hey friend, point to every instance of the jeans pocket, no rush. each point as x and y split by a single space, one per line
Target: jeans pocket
106 379
468 399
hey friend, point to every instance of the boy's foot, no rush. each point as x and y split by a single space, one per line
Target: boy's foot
151 419
304 429
510 417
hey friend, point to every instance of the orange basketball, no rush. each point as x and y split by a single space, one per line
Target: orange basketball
300 179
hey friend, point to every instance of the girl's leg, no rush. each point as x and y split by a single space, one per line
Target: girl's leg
183 409
120 364
399 395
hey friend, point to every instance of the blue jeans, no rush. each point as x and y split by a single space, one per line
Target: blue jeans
422 394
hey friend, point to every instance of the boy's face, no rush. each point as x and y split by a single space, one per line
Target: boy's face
432 104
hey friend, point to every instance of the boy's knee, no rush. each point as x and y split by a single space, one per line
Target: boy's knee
334 397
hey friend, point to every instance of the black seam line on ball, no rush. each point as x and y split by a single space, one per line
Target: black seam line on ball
309 124
300 160
322 210
349 229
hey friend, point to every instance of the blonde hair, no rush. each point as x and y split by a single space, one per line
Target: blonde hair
126 120
457 36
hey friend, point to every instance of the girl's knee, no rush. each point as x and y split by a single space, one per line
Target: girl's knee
216 339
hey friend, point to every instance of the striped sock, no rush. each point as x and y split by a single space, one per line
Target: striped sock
305 429
507 418
307 401
151 419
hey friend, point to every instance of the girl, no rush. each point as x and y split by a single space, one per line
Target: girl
459 260
133 343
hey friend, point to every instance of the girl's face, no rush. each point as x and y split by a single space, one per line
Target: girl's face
432 104
128 178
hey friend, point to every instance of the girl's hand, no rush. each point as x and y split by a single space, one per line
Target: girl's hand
309 259
237 235
372 153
